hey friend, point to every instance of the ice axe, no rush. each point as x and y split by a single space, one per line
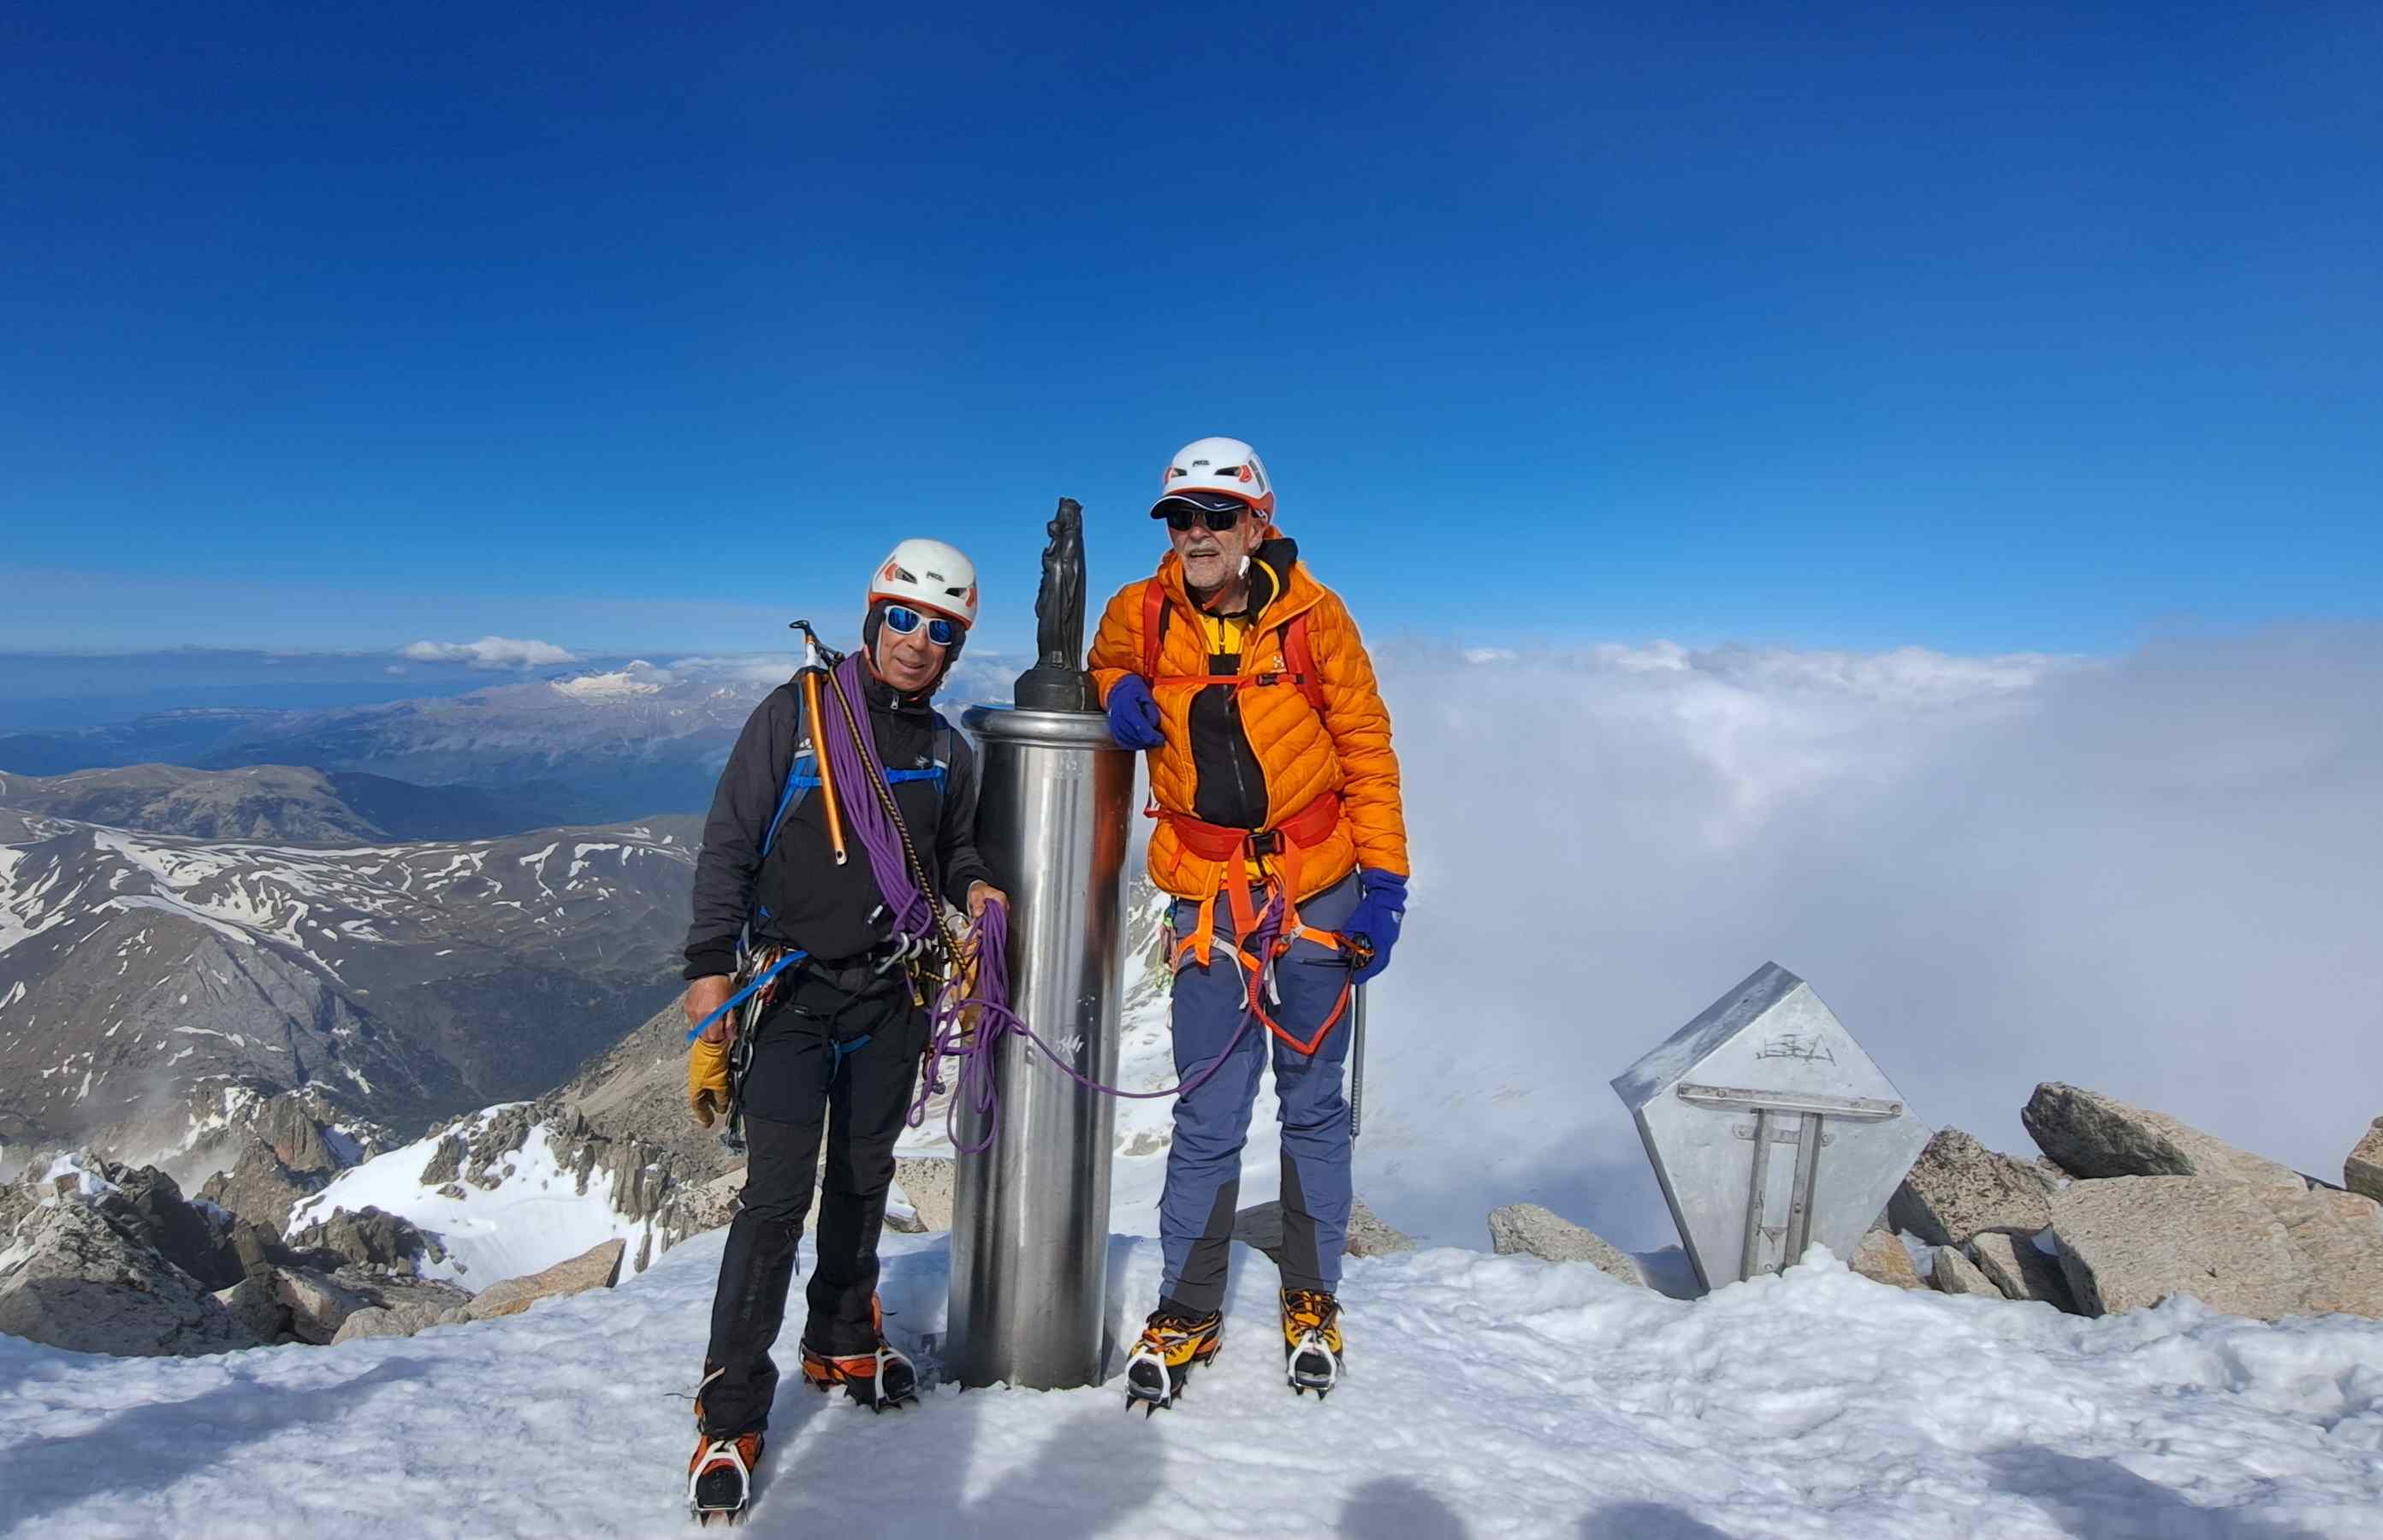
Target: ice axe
1359 950
1356 1060
813 666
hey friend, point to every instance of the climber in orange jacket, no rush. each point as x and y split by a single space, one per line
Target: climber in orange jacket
1282 837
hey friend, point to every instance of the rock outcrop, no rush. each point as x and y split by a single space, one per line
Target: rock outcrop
2363 1172
1882 1257
2248 1249
2092 1135
927 1182
1953 1273
2013 1263
1958 1186
598 1267
368 1235
1530 1230
1259 1226
83 1283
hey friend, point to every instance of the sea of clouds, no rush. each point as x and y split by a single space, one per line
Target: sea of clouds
2159 876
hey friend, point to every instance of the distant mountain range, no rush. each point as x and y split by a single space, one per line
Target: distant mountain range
584 747
277 803
145 976
406 910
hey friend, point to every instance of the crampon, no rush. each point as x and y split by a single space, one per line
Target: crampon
879 1378
1161 1363
1311 1341
720 1478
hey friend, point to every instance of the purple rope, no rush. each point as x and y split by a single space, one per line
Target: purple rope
858 773
975 1088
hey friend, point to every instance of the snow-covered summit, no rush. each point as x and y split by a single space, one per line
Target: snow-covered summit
1488 1396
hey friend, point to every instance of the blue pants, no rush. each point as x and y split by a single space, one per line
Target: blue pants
1212 1122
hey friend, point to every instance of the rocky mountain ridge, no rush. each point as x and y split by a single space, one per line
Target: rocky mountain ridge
152 985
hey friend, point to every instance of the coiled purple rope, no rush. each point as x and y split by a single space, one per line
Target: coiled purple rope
858 774
978 1053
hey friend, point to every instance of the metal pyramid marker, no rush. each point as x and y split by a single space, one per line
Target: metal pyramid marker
1770 1129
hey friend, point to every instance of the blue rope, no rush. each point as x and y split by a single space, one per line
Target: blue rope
739 998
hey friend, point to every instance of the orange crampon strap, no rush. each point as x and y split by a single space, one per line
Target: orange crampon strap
1281 847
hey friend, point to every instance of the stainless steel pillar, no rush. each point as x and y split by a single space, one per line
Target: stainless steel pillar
1030 1215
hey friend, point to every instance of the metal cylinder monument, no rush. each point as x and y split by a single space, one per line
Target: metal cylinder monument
1030 1213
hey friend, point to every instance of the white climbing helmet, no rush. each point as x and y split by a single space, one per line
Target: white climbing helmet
1206 469
929 574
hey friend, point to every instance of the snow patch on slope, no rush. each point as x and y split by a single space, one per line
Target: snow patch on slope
534 1217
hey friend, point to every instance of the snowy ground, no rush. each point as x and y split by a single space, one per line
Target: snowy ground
1488 1397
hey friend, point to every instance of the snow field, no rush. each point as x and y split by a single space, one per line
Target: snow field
1488 1396
534 1218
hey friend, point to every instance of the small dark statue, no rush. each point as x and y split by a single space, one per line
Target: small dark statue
1057 682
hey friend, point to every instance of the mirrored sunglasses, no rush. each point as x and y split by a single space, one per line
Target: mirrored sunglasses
902 619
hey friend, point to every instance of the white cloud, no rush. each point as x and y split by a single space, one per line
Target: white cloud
638 678
759 668
489 652
2153 876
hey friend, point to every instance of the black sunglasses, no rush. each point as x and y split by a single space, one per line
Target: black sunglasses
1182 516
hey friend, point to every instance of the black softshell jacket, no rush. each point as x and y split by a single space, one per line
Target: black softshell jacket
800 896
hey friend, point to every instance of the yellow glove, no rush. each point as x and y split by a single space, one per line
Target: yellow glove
707 1079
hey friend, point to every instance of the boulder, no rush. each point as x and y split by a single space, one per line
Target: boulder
367 1234
319 1303
260 1188
2129 1242
295 1139
2095 1135
2363 1172
257 1306
927 1182
1958 1186
691 1211
1260 1227
1528 1229
596 1268
1954 1274
404 1314
82 1282
1882 1257
2339 1235
2012 1263
446 1163
1369 1237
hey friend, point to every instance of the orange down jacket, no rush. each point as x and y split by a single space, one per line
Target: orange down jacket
1303 753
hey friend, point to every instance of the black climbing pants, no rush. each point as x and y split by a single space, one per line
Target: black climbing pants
836 1055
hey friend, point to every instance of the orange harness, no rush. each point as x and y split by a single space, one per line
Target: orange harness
1280 849
1277 850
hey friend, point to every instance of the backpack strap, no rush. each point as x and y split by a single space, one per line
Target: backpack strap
803 777
1153 627
802 774
1300 658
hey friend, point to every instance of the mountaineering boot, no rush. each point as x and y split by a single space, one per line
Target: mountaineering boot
720 1477
1311 1340
877 1379
1173 1341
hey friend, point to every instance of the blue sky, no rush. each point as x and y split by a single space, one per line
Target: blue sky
647 330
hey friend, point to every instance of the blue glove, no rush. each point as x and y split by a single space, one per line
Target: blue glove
1133 714
1381 908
